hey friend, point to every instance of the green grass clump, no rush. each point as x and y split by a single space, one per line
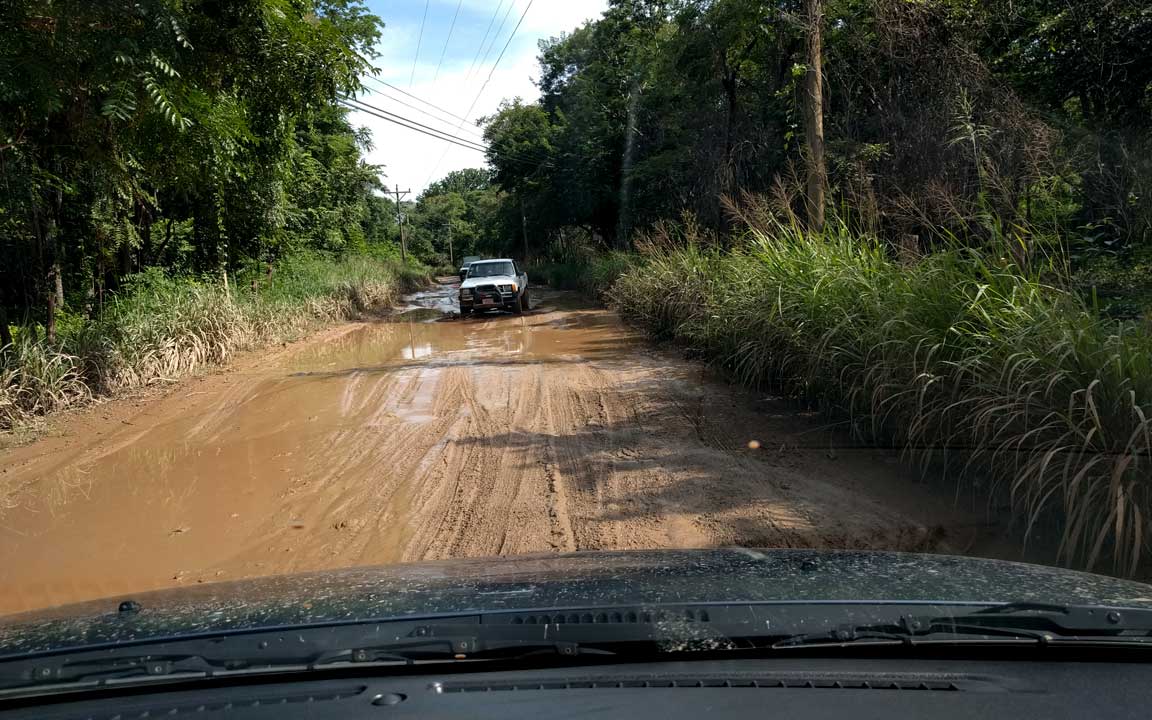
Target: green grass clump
959 358
161 328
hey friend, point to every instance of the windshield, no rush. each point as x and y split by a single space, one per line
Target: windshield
861 278
490 269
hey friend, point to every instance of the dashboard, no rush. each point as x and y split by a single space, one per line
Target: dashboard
795 689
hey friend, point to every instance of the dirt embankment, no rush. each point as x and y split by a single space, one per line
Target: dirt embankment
431 437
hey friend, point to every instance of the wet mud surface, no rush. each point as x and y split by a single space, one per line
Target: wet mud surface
428 436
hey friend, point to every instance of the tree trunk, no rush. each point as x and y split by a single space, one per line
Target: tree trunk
814 116
5 331
728 179
50 324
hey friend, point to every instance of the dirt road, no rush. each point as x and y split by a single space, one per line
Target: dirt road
427 436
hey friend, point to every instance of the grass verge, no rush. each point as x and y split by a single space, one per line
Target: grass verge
161 328
955 357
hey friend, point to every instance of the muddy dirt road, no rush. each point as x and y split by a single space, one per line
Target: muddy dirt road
427 436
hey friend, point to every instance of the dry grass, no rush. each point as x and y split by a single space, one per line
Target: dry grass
162 329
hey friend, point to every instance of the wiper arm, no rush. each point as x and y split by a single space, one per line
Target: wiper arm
208 658
1016 622
929 634
1057 620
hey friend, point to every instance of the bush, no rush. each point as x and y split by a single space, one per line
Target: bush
956 357
160 328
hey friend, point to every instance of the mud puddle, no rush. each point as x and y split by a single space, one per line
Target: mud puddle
431 436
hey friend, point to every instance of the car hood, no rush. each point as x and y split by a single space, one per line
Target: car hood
577 580
491 280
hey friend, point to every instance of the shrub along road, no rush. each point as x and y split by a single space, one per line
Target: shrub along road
429 436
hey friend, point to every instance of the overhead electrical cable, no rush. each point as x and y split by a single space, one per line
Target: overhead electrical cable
411 124
496 36
500 57
466 128
486 80
448 117
483 40
447 40
419 40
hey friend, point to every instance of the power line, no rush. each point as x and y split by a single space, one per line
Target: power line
419 40
411 124
467 129
370 106
483 40
437 108
486 80
403 122
448 39
496 35
500 57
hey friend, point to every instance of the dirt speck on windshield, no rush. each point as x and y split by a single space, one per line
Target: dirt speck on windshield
428 436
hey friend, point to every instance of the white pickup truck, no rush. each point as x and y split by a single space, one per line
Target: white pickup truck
494 285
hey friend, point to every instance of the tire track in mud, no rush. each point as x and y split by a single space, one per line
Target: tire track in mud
413 439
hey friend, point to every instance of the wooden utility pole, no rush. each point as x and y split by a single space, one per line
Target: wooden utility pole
400 222
451 256
814 115
524 227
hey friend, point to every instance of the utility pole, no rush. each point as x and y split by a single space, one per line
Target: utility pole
524 227
451 257
814 115
400 222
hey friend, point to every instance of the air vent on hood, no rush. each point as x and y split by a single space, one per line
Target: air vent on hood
223 700
798 682
604 617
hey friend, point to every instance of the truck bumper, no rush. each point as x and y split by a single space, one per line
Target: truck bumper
503 302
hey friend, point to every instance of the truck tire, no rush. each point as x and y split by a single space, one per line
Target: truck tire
525 304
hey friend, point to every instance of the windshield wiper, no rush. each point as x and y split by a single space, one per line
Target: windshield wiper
296 651
664 631
1012 623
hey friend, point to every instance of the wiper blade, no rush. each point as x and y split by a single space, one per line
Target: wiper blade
218 657
1057 620
1018 622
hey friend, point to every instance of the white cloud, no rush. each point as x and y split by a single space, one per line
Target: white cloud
413 160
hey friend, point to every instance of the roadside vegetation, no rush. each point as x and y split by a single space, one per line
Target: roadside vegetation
992 376
159 329
180 182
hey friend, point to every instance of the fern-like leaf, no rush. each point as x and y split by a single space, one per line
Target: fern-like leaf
161 65
163 103
120 103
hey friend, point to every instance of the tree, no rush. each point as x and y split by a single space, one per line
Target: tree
196 135
814 115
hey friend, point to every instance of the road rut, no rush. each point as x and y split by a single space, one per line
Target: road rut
427 436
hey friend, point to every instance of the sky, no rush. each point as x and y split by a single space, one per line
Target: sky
450 73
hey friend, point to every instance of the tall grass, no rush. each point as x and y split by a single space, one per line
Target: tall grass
591 274
963 360
160 328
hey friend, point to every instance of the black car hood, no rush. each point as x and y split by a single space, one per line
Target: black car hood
580 580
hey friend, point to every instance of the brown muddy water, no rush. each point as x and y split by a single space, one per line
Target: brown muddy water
427 436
